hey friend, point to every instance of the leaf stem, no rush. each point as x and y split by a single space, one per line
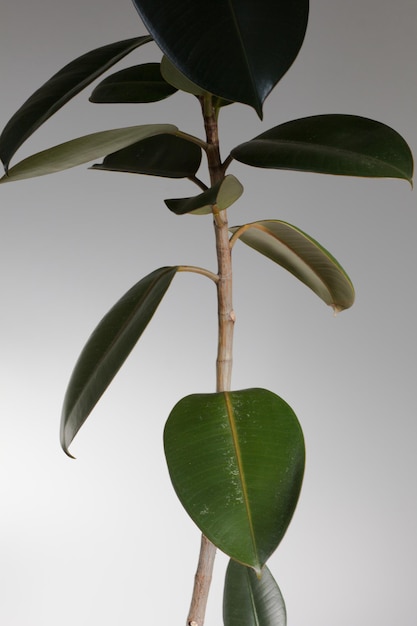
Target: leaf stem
198 270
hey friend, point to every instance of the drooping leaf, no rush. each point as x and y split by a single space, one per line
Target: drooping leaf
220 196
303 256
58 90
82 150
252 601
141 83
161 155
236 461
253 42
108 347
346 145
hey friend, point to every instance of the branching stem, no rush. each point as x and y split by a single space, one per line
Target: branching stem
226 319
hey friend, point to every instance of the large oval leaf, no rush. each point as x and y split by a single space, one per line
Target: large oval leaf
303 256
161 155
331 144
236 461
60 89
252 601
82 150
222 195
108 347
141 83
253 42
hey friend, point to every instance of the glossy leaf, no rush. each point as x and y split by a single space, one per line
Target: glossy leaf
331 144
236 461
253 42
82 150
219 197
303 256
108 347
252 601
142 83
58 90
161 155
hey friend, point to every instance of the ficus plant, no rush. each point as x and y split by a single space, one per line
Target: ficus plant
235 456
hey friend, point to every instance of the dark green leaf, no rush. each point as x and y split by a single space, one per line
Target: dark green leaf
331 144
58 90
108 347
82 150
236 461
219 197
142 83
161 155
252 601
303 256
235 50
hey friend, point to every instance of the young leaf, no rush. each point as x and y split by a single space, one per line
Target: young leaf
331 144
108 347
303 256
175 78
161 155
236 461
141 83
221 196
82 150
252 601
58 90
253 42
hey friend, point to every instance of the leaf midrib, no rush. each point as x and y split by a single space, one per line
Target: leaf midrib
235 439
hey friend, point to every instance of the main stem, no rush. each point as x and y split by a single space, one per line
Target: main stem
226 319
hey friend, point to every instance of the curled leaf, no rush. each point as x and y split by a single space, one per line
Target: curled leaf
303 256
217 198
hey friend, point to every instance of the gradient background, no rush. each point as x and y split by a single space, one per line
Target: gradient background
103 539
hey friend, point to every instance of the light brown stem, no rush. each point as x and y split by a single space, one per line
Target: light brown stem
226 318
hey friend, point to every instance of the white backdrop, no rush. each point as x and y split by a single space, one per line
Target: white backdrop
103 540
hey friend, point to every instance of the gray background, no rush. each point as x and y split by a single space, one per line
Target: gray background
103 540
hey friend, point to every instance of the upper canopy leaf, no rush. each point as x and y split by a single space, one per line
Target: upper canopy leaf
60 89
82 150
141 83
331 144
108 347
161 155
236 461
235 50
252 601
303 256
219 197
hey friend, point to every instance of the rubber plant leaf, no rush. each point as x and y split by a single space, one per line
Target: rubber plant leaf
82 150
141 83
236 461
254 42
249 600
303 256
217 198
108 347
331 144
175 78
58 90
161 155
